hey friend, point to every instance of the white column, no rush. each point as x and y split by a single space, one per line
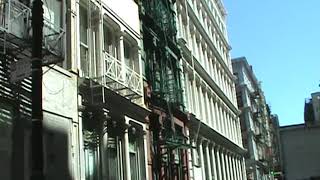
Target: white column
186 92
213 163
206 108
205 59
145 145
218 167
200 52
216 114
104 149
213 119
198 113
229 90
126 155
226 157
228 125
219 77
215 73
223 165
220 118
227 86
202 161
223 85
236 130
181 23
234 93
210 109
225 123
214 37
190 157
239 131
234 168
209 162
194 44
223 130
244 168
233 129
240 169
202 105
230 166
211 66
178 22
122 60
192 96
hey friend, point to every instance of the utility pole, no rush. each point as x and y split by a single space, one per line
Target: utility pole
36 96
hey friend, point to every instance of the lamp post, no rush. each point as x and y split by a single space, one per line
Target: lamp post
36 95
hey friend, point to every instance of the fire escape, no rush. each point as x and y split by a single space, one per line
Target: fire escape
15 47
260 132
162 58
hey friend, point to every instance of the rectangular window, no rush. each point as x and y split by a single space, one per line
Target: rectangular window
114 158
107 40
83 24
131 56
84 51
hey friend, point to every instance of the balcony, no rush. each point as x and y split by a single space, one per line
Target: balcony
16 33
120 78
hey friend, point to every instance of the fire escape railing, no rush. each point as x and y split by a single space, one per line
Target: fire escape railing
15 26
53 38
14 18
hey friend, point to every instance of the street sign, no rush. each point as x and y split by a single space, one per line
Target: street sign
19 70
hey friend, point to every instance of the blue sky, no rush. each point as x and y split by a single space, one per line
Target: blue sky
281 40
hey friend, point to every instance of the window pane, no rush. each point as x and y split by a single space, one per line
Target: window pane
84 60
107 39
83 24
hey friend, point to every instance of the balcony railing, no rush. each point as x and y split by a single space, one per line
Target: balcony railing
121 78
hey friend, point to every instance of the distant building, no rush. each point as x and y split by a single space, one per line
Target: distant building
312 109
255 117
300 151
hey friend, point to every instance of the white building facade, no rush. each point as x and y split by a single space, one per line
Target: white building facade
209 91
113 142
94 115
